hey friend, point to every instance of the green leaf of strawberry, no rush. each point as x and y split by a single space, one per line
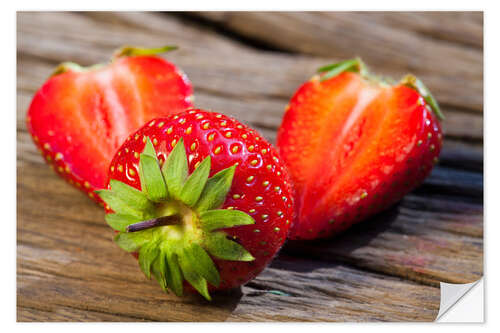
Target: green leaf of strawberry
173 272
190 273
175 169
132 242
134 198
330 71
147 254
160 269
202 263
194 185
216 190
222 218
117 204
152 180
219 246
120 222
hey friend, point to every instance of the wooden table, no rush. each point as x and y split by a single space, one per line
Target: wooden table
247 65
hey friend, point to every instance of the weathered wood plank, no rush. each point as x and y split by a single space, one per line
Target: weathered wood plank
395 40
423 239
316 285
61 314
436 25
461 155
432 25
298 290
68 254
455 182
259 110
219 64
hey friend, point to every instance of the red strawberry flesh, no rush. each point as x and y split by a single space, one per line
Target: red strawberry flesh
79 118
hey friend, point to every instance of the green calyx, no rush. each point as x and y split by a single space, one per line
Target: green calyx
175 221
357 66
414 83
351 65
124 51
74 67
132 51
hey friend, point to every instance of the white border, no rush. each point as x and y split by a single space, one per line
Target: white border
317 5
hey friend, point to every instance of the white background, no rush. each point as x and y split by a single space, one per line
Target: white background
8 154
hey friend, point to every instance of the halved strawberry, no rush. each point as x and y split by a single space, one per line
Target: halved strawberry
81 115
354 144
202 199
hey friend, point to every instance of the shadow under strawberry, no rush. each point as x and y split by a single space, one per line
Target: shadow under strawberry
358 236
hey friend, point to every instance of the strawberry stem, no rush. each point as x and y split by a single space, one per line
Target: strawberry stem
156 222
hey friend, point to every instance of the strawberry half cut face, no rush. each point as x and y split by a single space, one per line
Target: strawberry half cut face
354 144
81 116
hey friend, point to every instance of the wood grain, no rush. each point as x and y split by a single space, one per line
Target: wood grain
211 60
397 41
431 25
385 269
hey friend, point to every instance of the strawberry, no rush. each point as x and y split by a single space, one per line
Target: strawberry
355 144
198 197
81 115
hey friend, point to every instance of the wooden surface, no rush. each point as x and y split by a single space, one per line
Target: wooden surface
247 65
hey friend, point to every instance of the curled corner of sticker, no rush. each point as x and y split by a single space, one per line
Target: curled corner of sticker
451 294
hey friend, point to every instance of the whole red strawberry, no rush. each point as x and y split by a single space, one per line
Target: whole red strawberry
354 144
81 115
201 198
